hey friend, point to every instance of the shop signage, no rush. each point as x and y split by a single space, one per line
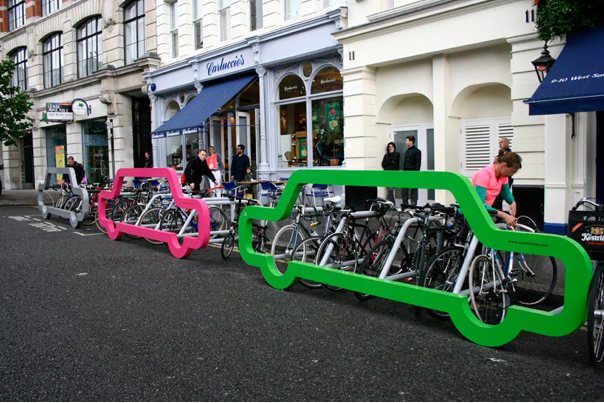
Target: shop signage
80 107
59 112
223 65
191 130
172 133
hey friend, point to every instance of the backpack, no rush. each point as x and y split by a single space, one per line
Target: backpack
183 179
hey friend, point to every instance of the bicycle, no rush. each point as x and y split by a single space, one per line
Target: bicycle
259 238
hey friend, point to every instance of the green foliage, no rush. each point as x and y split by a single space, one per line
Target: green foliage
560 17
14 105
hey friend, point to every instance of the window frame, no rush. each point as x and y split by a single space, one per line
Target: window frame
173 17
294 9
16 14
53 55
256 15
134 23
197 24
50 6
224 19
19 57
95 39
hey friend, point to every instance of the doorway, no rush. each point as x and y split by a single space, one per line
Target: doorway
424 141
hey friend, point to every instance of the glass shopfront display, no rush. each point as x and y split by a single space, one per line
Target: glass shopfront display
96 150
56 149
320 143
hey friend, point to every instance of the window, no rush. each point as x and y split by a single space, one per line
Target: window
52 53
224 11
311 129
198 23
50 6
480 141
96 150
292 9
90 47
331 3
16 14
134 22
174 28
19 78
255 14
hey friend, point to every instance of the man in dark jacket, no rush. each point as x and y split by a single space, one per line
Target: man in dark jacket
77 167
412 162
196 169
239 164
391 162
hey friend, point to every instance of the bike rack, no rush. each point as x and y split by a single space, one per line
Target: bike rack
518 319
116 230
75 219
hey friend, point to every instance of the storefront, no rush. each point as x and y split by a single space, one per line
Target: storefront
278 94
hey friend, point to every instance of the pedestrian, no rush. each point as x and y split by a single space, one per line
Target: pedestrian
249 187
217 167
504 148
412 162
493 180
148 160
391 162
196 169
80 173
239 164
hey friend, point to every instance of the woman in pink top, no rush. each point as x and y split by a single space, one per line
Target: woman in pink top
493 179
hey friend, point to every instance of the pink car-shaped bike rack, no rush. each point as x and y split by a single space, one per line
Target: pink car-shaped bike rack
116 230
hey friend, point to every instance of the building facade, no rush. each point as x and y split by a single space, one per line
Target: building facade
81 64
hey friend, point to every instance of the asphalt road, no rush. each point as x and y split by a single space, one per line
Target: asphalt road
86 318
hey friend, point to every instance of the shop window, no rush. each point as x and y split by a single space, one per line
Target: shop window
251 95
16 14
52 55
291 87
326 80
96 150
293 142
134 34
172 109
327 130
90 47
198 23
56 150
19 78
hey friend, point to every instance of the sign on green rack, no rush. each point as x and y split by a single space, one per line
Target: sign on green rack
573 256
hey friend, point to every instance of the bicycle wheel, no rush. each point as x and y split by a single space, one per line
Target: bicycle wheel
218 221
373 263
442 273
150 219
228 244
306 252
286 240
338 252
488 297
108 214
91 214
131 216
73 204
595 317
172 221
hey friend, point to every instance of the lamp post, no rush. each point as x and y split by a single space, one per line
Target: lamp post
543 63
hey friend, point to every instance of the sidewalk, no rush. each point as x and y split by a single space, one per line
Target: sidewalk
21 197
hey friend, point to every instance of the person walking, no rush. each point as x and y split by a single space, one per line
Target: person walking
217 167
391 162
412 162
196 169
239 164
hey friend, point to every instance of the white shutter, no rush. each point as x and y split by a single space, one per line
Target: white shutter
480 141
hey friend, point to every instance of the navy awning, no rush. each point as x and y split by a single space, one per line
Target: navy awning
575 83
208 101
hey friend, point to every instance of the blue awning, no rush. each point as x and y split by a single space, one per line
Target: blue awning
575 83
208 101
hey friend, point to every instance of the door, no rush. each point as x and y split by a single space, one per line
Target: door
424 141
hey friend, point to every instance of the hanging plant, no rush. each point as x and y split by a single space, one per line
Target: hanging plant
560 17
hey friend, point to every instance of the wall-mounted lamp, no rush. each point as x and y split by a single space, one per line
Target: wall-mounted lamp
543 63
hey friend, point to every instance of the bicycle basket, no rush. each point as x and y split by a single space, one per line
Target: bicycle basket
587 228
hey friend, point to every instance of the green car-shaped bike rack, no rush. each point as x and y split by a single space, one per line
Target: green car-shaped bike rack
577 262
